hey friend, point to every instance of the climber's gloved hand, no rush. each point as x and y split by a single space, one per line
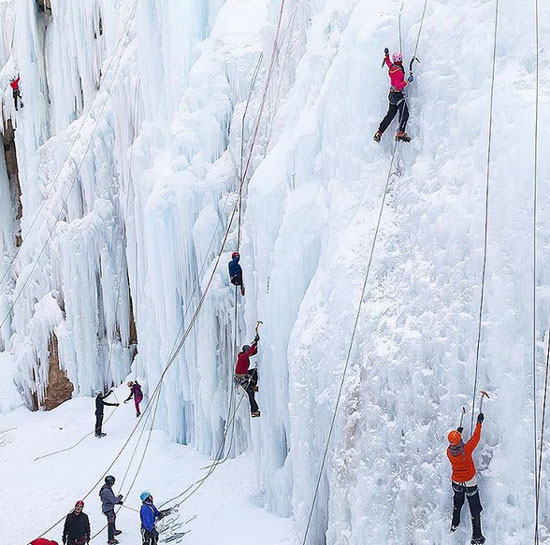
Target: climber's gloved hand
386 51
410 79
460 429
480 418
256 339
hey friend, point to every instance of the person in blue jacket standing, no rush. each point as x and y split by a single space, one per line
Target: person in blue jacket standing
235 271
149 515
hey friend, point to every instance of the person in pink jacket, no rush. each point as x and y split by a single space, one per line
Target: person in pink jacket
396 97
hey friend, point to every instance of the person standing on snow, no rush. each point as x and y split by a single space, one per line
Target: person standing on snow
149 514
108 502
235 271
464 478
136 393
99 410
396 97
77 526
248 378
14 84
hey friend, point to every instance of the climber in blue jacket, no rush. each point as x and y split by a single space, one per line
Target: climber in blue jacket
235 271
149 514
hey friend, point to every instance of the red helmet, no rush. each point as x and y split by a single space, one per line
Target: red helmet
454 437
79 503
235 254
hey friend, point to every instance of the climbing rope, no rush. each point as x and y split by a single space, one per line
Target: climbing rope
356 322
352 339
124 35
534 356
486 223
115 314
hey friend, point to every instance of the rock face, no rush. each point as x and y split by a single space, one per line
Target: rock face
60 388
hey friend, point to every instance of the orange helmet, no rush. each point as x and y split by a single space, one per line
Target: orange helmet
454 437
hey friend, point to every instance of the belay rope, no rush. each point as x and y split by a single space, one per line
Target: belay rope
357 315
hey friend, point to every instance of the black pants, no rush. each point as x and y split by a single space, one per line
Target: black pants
472 493
237 280
111 525
149 538
397 104
249 382
98 423
16 95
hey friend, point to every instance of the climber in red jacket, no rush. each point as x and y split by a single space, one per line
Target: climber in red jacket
14 84
396 97
246 377
464 478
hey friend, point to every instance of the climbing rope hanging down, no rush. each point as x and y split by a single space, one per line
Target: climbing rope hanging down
486 221
65 199
116 306
356 322
179 345
534 326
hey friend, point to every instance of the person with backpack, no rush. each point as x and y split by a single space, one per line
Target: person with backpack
108 502
396 97
149 515
246 377
136 393
99 410
464 478
77 526
236 272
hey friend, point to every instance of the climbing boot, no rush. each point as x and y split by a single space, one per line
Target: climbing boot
477 536
255 414
377 136
117 532
255 388
113 542
402 136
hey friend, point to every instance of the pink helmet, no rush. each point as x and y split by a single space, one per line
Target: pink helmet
397 57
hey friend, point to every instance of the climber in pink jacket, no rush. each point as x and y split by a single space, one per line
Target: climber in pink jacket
396 97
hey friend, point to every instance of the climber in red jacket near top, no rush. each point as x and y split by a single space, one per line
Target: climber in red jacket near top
464 478
14 84
248 378
396 97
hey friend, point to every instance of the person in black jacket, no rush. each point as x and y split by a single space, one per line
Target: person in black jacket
99 409
77 526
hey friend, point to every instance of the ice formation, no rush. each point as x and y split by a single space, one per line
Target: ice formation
139 119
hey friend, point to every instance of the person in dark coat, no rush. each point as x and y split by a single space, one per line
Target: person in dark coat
246 377
108 502
136 393
235 271
149 515
99 410
77 526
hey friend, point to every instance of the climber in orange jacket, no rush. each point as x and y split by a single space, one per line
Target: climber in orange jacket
464 478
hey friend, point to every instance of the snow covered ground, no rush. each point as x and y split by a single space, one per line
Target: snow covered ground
227 509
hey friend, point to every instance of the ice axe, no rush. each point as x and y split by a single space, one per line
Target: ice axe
386 52
411 63
257 326
483 394
462 416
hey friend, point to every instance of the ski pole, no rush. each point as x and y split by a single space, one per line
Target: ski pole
483 394
386 52
462 416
